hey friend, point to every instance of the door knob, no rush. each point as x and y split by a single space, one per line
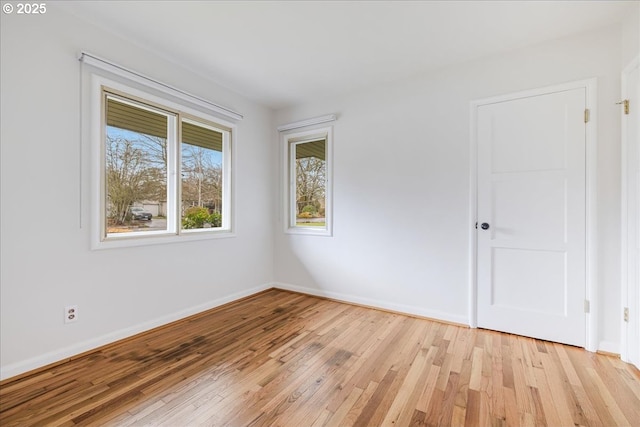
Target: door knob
484 226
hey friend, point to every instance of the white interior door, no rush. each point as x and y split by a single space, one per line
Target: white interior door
531 215
631 214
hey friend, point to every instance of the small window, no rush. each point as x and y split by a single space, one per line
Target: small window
164 172
309 201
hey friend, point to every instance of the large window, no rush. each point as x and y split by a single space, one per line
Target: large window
163 172
308 182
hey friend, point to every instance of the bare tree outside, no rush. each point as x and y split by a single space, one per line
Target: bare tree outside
310 183
310 170
201 178
136 170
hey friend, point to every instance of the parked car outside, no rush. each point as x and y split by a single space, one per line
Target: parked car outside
139 213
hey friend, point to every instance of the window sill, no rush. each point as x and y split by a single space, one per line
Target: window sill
309 231
160 239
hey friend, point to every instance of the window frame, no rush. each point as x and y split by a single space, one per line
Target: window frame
294 138
183 110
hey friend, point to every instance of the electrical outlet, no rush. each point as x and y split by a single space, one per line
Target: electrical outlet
71 314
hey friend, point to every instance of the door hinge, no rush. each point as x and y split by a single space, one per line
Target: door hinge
587 306
587 115
625 104
625 316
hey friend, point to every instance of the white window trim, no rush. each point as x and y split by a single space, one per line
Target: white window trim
294 137
307 122
98 184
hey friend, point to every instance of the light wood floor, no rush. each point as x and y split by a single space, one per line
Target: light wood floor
285 359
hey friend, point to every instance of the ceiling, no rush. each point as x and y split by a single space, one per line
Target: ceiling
281 53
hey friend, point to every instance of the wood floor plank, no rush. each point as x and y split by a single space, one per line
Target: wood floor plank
476 369
445 415
472 417
521 385
429 387
606 373
497 390
463 385
611 403
338 417
552 407
374 403
566 385
286 359
357 409
512 416
459 415
459 341
632 381
405 401
589 394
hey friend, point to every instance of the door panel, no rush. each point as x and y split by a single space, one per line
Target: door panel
535 274
531 192
530 206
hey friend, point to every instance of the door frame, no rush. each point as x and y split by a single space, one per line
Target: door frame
591 274
624 221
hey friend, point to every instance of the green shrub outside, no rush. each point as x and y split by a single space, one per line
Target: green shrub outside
215 219
309 209
197 217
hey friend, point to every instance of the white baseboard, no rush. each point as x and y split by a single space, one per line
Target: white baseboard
400 308
18 368
609 347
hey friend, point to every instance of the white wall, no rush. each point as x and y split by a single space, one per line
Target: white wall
401 182
45 255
